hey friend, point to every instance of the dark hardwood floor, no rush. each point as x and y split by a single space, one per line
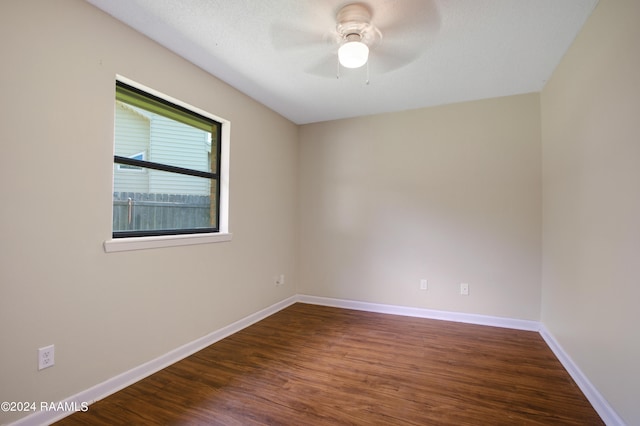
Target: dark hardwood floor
315 365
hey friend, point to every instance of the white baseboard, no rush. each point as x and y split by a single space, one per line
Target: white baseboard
121 381
599 403
517 324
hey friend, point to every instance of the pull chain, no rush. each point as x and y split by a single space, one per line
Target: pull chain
367 82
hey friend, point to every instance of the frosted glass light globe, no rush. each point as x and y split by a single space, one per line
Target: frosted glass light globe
353 54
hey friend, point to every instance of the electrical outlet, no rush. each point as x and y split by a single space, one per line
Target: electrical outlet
46 357
464 289
423 284
279 280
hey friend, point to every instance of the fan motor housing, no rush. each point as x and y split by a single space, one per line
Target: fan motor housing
355 19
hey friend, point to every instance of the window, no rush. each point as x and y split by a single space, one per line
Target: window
167 167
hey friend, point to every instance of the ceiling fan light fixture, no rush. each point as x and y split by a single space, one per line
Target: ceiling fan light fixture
353 53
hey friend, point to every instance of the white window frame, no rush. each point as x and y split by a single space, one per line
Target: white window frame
223 234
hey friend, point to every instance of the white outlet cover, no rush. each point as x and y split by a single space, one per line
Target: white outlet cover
46 357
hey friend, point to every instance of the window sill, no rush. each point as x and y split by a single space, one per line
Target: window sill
143 243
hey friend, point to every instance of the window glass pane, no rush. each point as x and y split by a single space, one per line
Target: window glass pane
167 141
187 205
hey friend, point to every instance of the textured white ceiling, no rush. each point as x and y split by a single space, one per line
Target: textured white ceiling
433 52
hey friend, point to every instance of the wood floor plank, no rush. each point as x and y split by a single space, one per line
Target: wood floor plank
308 365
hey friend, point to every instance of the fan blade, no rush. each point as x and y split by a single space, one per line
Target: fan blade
327 67
302 25
407 19
408 27
387 56
288 37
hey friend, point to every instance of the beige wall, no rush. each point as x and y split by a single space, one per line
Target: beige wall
107 313
451 194
591 203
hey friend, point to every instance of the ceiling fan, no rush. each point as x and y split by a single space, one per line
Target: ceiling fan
355 34
383 34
